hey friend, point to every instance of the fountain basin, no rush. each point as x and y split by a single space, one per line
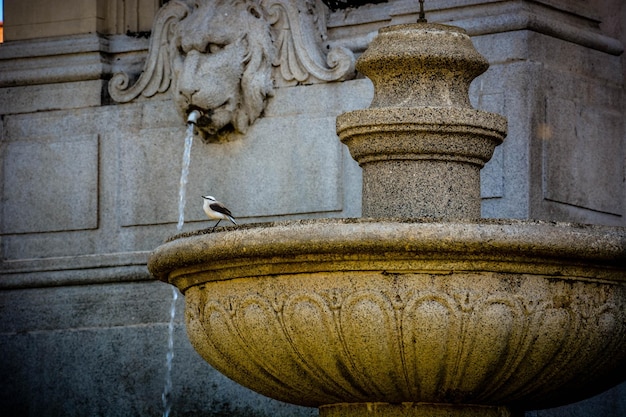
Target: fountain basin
495 313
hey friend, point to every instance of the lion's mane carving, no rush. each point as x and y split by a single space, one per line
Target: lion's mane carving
223 57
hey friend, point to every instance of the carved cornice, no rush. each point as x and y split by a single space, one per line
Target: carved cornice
299 43
56 60
344 4
572 21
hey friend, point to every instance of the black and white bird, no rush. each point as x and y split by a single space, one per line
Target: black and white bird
216 210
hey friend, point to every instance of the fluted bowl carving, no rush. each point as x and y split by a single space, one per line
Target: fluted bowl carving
345 311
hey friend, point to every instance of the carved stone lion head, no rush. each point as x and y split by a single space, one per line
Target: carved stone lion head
225 72
220 57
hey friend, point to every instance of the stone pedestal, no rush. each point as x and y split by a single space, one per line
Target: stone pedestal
421 145
414 410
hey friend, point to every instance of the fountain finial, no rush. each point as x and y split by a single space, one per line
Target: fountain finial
422 15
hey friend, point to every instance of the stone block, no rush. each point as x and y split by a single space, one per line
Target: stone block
507 89
50 185
101 350
579 131
63 369
289 163
87 306
150 164
89 170
51 19
34 98
75 17
283 166
608 404
321 99
579 147
29 246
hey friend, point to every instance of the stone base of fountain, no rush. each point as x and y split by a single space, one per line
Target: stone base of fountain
414 410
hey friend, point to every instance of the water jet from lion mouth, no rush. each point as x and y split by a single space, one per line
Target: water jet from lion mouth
199 117
204 124
193 116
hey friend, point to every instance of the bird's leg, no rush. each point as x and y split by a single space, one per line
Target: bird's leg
218 222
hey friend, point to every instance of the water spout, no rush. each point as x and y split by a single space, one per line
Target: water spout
193 117
166 397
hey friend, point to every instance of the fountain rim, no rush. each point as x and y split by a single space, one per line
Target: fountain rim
430 27
563 250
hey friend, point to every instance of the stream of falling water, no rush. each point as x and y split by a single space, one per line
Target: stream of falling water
166 397
182 190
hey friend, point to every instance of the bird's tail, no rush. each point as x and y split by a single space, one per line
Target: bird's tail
232 220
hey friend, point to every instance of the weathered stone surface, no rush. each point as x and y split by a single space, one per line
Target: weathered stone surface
63 346
46 188
35 98
75 17
578 156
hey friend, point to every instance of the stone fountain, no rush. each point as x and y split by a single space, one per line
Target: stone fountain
420 308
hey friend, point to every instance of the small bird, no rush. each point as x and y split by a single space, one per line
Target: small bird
216 210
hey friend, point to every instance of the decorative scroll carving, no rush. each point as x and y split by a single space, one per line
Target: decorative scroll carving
217 57
156 75
299 54
484 338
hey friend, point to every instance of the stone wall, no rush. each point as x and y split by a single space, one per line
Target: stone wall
89 186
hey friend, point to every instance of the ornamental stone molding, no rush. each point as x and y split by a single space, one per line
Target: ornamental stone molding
224 59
